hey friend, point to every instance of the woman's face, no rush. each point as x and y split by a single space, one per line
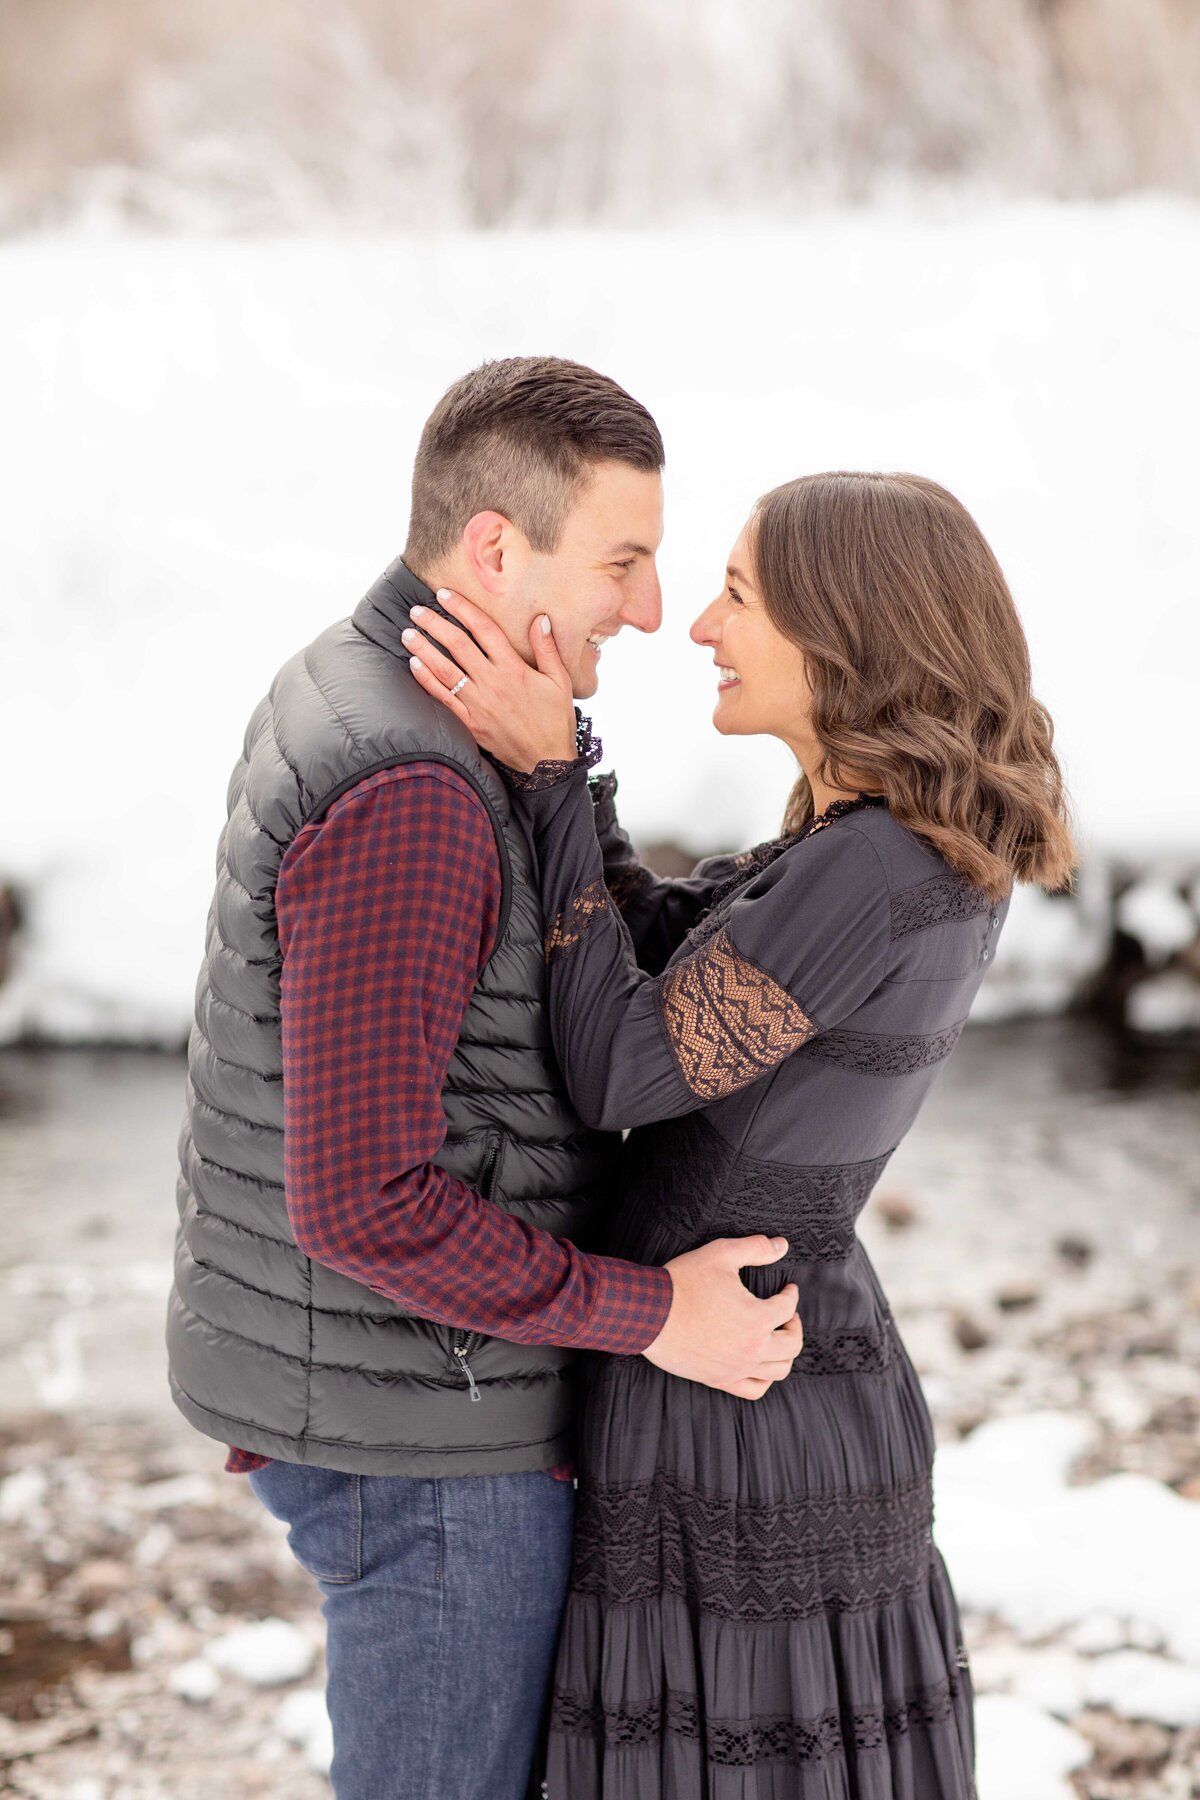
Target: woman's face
762 679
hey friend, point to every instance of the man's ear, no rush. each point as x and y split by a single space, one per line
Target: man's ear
490 545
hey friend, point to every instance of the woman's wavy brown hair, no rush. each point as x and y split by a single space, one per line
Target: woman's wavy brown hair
919 670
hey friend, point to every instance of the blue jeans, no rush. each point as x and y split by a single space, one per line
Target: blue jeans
442 1605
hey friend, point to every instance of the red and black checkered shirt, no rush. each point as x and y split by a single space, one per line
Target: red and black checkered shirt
387 910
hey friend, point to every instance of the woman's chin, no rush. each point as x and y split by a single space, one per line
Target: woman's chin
724 713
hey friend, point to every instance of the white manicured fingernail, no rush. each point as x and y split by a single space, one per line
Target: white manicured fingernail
414 662
545 624
443 593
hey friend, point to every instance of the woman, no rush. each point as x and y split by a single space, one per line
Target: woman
757 1606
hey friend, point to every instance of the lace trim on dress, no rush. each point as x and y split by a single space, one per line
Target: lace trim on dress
683 1178
569 926
813 1208
872 1053
734 1743
857 1352
548 774
752 1561
727 1020
935 902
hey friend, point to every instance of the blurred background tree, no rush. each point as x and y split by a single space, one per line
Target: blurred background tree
387 114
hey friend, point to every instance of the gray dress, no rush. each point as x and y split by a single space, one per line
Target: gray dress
757 1609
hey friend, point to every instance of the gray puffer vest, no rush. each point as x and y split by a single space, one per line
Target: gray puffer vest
269 1350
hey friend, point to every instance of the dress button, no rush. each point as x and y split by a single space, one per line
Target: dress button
985 955
995 921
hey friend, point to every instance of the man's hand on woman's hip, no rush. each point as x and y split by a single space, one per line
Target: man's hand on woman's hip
718 1332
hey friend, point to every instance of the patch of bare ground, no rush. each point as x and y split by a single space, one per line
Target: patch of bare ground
123 1556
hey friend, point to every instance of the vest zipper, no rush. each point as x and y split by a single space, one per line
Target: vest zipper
461 1354
463 1342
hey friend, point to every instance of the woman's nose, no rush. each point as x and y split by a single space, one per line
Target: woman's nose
703 630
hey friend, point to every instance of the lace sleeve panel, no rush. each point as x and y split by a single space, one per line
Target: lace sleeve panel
727 1020
570 924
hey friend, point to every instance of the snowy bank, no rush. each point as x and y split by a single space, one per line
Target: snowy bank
207 455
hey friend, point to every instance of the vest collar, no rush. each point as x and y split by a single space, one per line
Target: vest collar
383 612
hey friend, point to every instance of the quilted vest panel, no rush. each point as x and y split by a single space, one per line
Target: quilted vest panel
269 1350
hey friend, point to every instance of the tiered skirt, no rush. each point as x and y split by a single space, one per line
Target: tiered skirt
757 1608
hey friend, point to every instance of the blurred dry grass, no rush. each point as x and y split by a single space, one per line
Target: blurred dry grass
386 113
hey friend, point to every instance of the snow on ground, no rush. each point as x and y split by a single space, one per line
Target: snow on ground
303 1720
205 459
1078 1574
1045 1556
268 1653
1023 1755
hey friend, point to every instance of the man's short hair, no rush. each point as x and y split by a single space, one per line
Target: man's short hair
519 437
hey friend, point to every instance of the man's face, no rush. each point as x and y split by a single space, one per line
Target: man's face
602 575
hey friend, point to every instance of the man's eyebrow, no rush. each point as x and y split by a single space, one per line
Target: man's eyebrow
633 550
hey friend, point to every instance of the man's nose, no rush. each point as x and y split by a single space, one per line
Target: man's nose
643 604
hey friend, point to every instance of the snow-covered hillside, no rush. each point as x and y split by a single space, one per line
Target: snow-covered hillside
205 458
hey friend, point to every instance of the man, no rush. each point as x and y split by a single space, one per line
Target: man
386 1196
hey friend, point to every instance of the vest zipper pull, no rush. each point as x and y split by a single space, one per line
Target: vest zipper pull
466 1367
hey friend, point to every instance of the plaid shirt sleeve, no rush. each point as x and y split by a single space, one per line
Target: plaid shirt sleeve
387 911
